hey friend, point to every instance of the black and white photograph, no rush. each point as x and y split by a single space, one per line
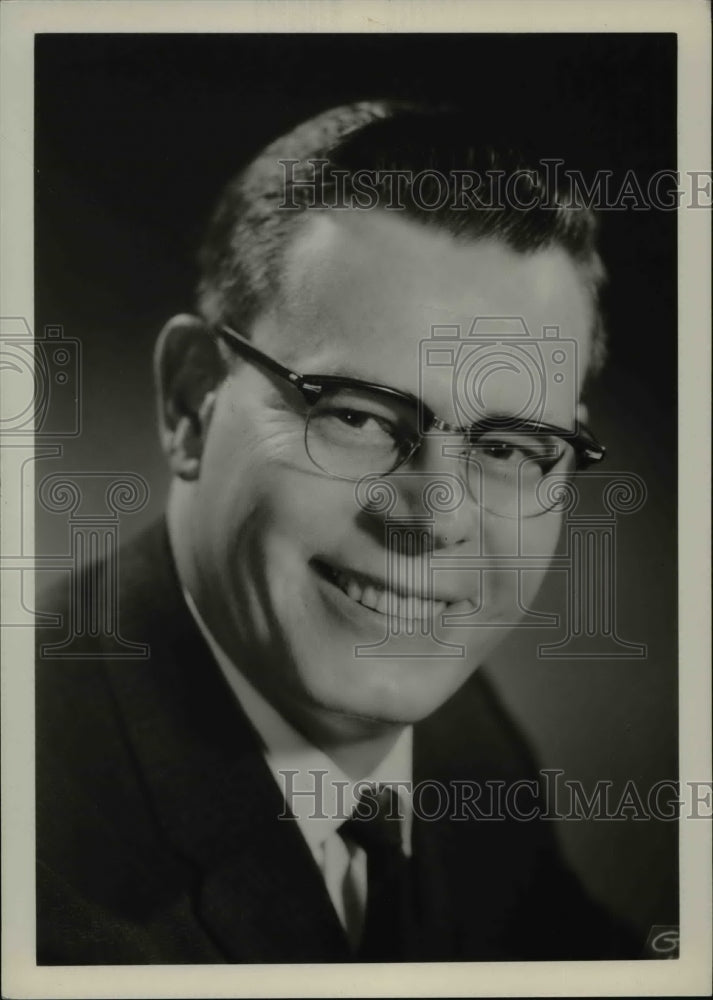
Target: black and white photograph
355 461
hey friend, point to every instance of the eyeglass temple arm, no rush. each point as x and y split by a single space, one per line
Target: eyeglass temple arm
243 346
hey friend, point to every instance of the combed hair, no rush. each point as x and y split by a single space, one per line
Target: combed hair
251 230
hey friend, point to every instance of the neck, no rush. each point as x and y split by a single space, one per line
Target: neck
356 745
358 760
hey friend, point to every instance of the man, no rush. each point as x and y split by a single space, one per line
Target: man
311 646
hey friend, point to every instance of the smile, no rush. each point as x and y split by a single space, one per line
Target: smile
376 596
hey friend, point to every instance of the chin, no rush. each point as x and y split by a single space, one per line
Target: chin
395 690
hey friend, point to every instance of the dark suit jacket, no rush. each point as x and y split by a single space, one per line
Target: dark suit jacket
157 830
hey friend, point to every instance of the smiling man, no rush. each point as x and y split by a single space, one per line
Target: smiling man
300 771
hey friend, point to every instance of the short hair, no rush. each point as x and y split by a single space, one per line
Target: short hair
260 214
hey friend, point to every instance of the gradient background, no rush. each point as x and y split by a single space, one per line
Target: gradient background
135 136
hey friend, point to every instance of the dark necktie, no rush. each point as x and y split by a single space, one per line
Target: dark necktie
375 826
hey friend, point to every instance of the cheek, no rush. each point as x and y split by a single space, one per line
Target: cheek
531 538
540 544
249 444
251 456
529 547
268 510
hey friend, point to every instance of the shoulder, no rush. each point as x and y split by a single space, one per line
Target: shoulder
102 615
531 904
112 595
99 847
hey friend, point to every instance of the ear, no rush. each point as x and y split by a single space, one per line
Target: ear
582 413
188 368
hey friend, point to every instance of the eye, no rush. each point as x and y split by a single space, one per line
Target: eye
526 451
356 418
359 420
501 450
354 427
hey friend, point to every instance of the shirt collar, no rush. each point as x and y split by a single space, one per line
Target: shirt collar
319 794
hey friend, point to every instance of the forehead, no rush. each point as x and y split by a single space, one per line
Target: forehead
360 292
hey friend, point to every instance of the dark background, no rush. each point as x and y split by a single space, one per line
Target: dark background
135 136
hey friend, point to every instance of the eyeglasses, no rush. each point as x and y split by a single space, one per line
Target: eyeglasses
355 429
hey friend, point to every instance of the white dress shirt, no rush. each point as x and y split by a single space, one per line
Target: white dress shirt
316 790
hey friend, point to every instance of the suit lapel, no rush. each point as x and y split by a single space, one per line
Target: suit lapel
257 888
263 896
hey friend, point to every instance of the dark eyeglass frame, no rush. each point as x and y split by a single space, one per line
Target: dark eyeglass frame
588 450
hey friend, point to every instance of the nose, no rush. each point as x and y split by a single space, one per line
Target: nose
433 486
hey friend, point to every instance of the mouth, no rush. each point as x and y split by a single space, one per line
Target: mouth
375 595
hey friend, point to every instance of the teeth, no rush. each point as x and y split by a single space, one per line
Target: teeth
388 601
369 597
382 603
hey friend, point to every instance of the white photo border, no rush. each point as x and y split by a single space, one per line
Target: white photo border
690 974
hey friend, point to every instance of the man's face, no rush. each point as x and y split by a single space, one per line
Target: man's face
287 562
